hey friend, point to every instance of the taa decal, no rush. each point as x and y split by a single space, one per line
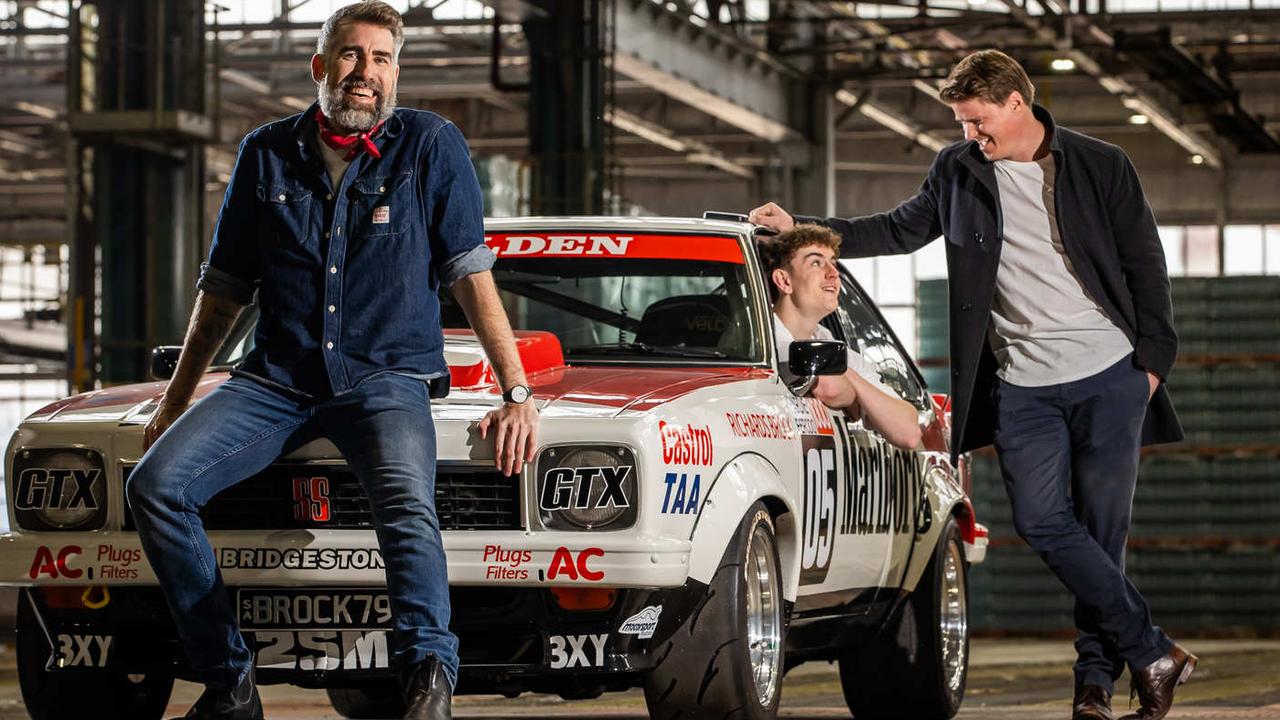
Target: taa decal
322 649
57 565
564 488
571 651
643 623
83 651
564 563
685 445
501 564
686 493
311 499
819 508
56 489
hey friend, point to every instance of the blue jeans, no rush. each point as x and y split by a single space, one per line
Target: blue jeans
384 430
1069 456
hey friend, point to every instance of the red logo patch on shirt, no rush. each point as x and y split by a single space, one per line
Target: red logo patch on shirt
382 214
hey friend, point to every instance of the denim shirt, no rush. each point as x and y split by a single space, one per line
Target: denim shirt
346 277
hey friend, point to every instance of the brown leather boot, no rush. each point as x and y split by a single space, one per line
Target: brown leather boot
1092 702
1155 684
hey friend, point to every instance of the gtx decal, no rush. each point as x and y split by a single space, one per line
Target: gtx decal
47 489
564 487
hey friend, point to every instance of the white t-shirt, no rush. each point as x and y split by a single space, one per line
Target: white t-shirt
856 362
1045 328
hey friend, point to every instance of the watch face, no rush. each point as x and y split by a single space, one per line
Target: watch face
519 394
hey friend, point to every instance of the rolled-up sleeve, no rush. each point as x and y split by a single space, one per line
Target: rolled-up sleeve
455 209
477 259
232 271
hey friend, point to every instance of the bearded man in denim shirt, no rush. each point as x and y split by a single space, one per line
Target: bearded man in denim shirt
344 220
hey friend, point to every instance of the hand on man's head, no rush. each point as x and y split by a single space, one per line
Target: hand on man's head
772 216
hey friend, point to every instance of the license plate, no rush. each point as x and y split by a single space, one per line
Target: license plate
310 608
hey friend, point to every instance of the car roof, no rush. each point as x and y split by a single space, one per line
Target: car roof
616 223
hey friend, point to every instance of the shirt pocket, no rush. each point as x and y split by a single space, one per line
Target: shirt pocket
382 206
288 206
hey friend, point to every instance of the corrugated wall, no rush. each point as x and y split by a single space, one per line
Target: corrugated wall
1205 542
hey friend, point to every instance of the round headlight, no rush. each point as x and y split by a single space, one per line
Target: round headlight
585 488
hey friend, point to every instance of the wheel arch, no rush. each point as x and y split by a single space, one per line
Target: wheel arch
742 482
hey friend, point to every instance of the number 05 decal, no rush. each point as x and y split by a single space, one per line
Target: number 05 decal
819 508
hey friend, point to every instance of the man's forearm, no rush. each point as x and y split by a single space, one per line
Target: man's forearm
211 320
478 296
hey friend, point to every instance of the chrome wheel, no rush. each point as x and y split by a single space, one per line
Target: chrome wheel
954 618
764 614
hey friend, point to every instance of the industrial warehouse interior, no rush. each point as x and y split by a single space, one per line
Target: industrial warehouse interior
121 122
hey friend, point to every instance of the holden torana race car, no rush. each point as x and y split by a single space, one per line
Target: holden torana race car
693 524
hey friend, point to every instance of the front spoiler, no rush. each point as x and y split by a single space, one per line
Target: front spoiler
351 557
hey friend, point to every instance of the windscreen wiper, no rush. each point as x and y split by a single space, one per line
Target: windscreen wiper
638 348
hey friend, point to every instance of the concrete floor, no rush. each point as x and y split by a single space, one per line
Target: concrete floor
1027 680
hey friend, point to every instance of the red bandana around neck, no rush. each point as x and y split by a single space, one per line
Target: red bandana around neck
351 144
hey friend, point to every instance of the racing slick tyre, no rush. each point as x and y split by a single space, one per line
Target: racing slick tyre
916 666
726 659
366 704
101 694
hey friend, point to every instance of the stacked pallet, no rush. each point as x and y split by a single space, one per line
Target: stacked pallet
1204 546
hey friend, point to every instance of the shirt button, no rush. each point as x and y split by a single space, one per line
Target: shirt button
339 231
328 196
382 188
282 198
329 344
333 309
333 270
326 234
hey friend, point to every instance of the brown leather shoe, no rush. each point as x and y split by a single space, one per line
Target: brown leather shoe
1093 702
1154 685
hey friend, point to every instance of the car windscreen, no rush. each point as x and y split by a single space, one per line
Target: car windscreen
611 297
615 298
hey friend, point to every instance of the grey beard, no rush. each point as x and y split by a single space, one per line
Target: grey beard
343 116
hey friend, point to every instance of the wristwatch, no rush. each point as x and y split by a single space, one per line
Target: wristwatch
517 394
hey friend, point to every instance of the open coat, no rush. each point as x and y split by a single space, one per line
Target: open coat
1109 235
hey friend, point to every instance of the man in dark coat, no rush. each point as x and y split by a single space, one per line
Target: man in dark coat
1061 337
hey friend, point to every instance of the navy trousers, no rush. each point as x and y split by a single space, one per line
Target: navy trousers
1069 456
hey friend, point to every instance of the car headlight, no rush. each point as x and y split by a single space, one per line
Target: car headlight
59 489
586 487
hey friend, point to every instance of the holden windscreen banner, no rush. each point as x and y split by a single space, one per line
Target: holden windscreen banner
631 246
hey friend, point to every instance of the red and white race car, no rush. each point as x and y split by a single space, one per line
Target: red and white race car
690 525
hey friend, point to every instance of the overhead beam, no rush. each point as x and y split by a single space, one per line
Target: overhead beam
705 68
891 119
694 151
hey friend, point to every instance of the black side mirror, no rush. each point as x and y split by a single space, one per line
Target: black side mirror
164 360
810 358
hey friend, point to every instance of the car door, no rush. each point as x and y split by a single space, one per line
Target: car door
883 484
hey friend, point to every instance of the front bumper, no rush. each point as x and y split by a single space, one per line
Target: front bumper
352 558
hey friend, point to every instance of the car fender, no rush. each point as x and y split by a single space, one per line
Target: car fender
744 480
945 499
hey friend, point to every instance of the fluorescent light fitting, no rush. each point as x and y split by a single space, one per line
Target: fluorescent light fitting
1139 119
1196 159
1062 64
